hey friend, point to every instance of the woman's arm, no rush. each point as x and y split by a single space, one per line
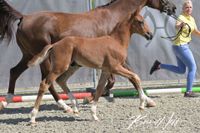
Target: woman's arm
196 32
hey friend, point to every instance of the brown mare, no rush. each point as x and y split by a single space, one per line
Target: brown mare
53 26
107 53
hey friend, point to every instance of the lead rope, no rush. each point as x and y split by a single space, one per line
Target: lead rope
172 38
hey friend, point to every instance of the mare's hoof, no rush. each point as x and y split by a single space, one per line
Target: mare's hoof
3 105
85 101
88 100
70 110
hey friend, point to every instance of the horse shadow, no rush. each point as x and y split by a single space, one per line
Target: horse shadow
16 121
27 110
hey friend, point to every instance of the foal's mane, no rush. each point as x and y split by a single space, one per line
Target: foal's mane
111 2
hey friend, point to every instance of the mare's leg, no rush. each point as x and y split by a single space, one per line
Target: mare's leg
111 79
99 90
110 84
15 72
45 68
62 80
135 80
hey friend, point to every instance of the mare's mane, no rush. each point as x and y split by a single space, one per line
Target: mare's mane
111 2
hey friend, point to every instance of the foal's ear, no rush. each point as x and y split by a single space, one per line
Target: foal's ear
129 16
134 14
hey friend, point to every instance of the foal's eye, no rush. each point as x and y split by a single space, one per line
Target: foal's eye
141 22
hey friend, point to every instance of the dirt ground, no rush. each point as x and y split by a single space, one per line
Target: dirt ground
173 114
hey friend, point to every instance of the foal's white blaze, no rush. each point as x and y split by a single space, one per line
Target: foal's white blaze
33 115
62 104
94 111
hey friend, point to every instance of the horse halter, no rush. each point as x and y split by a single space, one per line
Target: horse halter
165 7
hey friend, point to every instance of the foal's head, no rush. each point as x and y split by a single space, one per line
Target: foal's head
139 25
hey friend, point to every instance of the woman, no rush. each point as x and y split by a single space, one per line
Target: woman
181 48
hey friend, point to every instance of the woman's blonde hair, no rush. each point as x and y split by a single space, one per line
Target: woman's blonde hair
185 2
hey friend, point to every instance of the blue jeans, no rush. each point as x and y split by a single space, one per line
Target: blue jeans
185 59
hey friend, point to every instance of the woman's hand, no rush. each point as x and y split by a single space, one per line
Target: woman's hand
180 24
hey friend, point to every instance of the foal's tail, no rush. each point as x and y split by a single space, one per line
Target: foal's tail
39 58
8 16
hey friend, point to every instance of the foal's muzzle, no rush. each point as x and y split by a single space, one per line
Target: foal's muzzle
149 36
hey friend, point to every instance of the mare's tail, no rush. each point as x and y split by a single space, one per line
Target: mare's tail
39 58
8 16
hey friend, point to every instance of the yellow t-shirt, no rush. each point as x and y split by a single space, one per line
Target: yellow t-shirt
184 38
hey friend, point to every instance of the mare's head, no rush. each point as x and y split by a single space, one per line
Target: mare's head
139 26
166 6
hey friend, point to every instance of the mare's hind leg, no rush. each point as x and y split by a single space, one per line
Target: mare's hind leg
109 85
15 72
135 80
106 91
62 82
45 68
100 88
111 79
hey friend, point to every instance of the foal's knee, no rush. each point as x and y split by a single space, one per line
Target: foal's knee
136 81
43 86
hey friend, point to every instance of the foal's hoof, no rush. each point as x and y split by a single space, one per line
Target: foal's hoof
32 123
76 113
95 118
151 104
141 108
